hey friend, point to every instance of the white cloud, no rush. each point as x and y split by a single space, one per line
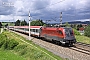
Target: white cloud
82 20
4 17
82 4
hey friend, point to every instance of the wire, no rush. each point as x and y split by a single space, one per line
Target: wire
51 5
57 2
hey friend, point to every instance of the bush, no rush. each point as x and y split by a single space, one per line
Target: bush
76 32
87 31
23 52
6 43
9 44
1 42
2 39
19 47
12 43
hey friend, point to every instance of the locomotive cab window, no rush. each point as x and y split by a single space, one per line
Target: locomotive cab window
69 32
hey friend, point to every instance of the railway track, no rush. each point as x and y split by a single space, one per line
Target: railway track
80 43
82 47
80 50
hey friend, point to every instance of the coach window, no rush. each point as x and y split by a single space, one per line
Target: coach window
30 30
36 30
33 30
60 32
27 30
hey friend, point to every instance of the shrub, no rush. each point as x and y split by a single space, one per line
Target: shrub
12 43
87 31
2 39
9 44
19 47
23 52
1 42
76 32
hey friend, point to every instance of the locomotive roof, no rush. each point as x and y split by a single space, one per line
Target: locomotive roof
58 27
53 28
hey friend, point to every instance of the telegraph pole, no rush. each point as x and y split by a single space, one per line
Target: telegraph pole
29 26
61 18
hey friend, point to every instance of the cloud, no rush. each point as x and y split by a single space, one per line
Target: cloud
6 18
5 9
45 9
41 4
83 20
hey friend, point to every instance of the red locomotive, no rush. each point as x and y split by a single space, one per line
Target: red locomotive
63 35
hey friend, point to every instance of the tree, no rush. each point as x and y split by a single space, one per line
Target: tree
0 24
23 23
6 25
87 31
37 23
67 24
73 26
76 32
17 23
79 26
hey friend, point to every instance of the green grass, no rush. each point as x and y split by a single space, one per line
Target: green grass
8 55
83 39
29 52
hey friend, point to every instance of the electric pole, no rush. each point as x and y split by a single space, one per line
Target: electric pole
29 26
61 18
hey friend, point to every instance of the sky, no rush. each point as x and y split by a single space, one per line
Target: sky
47 10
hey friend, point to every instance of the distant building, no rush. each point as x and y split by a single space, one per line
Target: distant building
84 25
81 30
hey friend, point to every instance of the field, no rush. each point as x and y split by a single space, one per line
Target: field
9 23
28 50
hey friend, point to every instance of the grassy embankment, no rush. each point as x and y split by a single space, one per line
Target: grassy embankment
83 39
27 49
8 55
0 30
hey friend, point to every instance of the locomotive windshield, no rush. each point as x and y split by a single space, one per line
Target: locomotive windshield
68 32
